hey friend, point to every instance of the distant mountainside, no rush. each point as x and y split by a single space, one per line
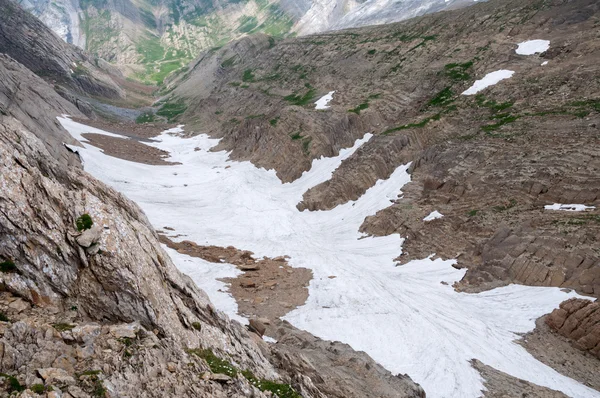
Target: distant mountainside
148 39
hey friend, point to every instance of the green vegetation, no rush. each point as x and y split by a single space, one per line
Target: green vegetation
273 122
146 117
443 98
8 266
365 104
63 327
171 110
98 388
216 364
472 213
371 52
84 222
458 72
301 100
255 116
420 124
3 317
492 104
13 383
38 388
248 76
228 62
197 325
296 136
306 141
247 24
280 390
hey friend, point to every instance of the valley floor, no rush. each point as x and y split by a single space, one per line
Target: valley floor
408 318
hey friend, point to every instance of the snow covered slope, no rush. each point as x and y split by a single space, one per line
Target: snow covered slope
408 318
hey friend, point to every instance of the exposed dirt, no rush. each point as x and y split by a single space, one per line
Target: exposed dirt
134 130
128 149
556 351
502 385
268 289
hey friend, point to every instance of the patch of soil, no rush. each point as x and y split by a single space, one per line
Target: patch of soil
501 385
134 130
557 352
128 149
268 289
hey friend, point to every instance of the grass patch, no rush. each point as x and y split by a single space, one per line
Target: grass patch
420 124
273 122
296 136
63 327
280 390
457 71
365 104
443 98
197 325
84 222
472 213
255 116
172 110
13 383
301 100
38 388
492 104
146 117
3 317
216 364
248 76
503 119
247 23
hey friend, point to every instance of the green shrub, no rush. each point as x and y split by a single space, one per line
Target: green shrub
8 266
197 325
248 76
3 317
274 121
38 388
13 383
84 222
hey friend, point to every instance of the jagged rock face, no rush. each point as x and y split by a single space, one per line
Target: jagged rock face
129 279
579 321
26 97
30 42
62 16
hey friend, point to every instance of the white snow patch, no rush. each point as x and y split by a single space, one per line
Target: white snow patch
488 80
402 316
324 100
571 207
433 215
544 63
531 47
269 339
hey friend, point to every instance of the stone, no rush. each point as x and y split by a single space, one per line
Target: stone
19 305
125 330
89 236
257 327
55 375
249 266
171 367
86 333
220 378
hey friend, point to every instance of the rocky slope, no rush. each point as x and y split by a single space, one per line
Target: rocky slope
489 163
149 40
90 304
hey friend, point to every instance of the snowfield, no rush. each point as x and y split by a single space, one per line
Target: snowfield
531 47
572 207
322 103
433 215
488 80
404 317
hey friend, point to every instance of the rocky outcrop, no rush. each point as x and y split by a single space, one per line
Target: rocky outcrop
33 44
28 98
579 321
336 369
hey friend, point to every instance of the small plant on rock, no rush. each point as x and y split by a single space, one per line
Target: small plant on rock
8 266
84 222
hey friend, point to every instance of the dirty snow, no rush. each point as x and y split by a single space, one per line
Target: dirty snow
433 215
404 317
531 47
544 63
572 207
322 103
488 80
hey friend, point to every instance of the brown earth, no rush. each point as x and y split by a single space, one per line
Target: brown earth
558 352
501 385
132 130
268 289
579 321
128 149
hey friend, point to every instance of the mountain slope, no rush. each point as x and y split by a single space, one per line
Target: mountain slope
150 40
